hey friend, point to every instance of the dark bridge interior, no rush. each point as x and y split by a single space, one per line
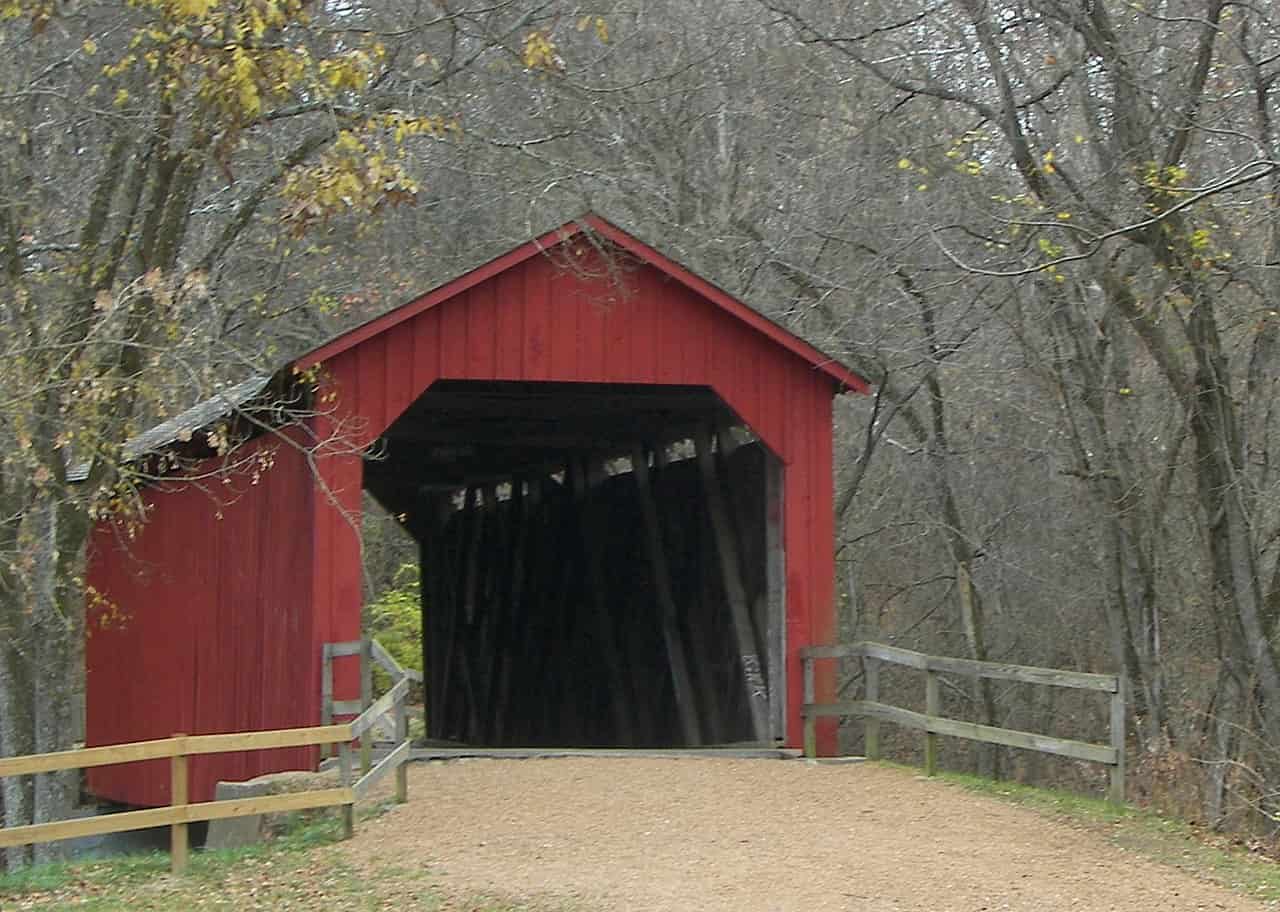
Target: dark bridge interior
599 566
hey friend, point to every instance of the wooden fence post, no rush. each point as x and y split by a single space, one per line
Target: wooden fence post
810 723
366 700
178 844
1116 793
348 810
932 708
326 694
402 735
180 812
871 728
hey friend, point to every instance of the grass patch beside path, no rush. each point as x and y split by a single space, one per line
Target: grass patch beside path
300 870
291 872
1146 833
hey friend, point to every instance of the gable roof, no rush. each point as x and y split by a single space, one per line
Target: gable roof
843 377
239 395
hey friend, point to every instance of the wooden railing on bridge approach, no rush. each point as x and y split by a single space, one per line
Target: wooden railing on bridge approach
933 723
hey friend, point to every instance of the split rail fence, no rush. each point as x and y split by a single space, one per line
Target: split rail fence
933 723
180 812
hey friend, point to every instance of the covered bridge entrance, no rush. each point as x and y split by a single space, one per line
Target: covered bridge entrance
620 480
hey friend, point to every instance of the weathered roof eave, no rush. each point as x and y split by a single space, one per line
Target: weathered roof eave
183 425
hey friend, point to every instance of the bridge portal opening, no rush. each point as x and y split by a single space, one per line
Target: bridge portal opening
601 564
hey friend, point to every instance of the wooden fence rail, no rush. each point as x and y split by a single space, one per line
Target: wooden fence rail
370 653
933 723
180 813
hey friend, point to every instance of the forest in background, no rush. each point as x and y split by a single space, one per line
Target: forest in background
1046 231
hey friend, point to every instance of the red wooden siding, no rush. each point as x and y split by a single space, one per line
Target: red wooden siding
566 237
539 321
223 619
215 633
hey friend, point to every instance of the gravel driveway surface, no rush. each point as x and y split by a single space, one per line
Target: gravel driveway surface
662 835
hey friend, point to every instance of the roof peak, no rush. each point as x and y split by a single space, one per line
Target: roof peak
592 223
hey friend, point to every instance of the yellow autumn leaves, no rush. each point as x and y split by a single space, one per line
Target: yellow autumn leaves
232 66
357 173
539 51
214 51
598 23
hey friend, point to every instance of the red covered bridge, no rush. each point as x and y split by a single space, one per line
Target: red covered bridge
620 478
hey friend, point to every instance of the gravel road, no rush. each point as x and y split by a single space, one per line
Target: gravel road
662 835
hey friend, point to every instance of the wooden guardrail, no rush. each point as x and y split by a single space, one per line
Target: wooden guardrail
370 652
933 724
180 813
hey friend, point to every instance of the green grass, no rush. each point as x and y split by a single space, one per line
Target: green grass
143 881
299 869
1154 836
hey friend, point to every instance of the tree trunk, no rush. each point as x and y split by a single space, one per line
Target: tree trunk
56 543
15 689
41 614
15 729
959 544
1220 731
1087 363
1227 503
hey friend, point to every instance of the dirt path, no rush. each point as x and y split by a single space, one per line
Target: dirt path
758 835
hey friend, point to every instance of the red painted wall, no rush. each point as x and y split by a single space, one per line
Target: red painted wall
206 628
223 619
539 321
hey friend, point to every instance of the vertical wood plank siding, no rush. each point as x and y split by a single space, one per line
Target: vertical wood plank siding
538 321
215 625
208 629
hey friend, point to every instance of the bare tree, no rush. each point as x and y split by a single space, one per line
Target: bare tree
167 165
